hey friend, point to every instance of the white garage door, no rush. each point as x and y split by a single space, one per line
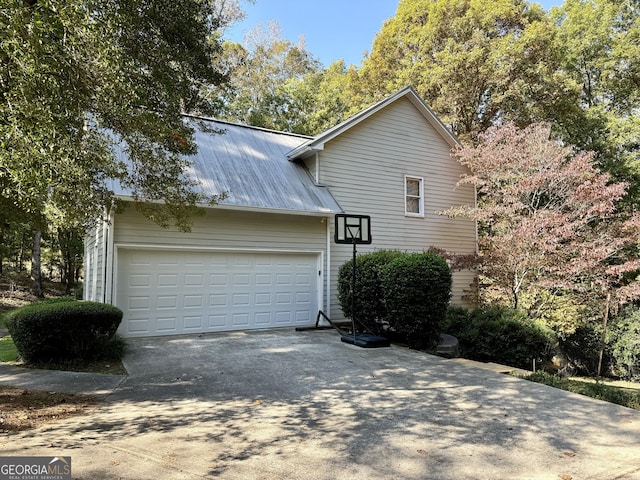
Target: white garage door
176 292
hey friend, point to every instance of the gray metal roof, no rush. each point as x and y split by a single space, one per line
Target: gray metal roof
250 165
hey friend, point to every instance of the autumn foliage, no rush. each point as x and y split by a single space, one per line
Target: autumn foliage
548 217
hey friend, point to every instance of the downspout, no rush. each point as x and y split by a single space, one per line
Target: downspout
475 204
93 296
87 269
105 240
328 269
109 258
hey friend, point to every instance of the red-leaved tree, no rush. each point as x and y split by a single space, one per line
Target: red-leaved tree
548 218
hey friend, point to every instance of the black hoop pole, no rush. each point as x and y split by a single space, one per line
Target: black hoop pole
353 293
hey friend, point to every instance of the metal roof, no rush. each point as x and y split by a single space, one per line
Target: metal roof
251 167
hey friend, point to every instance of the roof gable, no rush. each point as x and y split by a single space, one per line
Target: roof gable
317 142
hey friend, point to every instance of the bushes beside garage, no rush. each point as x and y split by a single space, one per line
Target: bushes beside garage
66 329
406 294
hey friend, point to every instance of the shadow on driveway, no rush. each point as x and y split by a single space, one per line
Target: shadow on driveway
282 404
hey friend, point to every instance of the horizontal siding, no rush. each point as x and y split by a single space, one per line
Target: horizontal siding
93 288
365 168
227 229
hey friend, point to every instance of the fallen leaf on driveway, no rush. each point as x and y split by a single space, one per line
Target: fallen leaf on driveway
564 476
569 454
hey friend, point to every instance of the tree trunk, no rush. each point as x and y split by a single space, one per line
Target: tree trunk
36 268
2 250
68 241
604 335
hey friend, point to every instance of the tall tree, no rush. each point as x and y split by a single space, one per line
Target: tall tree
78 76
549 217
600 45
474 62
317 101
258 71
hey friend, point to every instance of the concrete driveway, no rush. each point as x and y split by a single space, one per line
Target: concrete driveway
288 405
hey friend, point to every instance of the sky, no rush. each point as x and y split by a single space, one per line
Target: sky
332 29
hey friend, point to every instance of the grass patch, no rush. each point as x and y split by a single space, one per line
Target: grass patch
8 351
618 395
9 354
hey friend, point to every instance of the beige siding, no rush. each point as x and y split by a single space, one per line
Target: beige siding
365 167
94 246
311 164
227 229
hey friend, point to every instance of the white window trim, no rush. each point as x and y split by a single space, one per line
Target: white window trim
420 200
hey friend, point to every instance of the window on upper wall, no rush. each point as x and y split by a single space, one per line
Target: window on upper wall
414 196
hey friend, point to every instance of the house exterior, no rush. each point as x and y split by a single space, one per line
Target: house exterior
264 257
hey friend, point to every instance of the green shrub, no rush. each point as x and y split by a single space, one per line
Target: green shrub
582 347
599 391
111 348
623 341
416 292
62 329
369 305
498 335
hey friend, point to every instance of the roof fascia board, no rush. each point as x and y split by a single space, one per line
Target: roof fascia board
304 213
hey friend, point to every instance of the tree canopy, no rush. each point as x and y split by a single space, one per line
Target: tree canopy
77 77
260 70
474 62
549 217
600 47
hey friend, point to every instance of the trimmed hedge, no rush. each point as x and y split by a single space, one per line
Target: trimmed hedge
500 335
63 329
417 290
369 305
403 293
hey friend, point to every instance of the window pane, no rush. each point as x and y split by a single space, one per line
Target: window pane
413 187
413 205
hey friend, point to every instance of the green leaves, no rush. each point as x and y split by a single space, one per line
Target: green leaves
76 76
473 62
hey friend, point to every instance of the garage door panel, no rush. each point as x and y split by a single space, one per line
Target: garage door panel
139 303
240 320
217 322
219 300
283 318
166 301
166 292
193 301
140 280
263 299
193 323
194 280
218 280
